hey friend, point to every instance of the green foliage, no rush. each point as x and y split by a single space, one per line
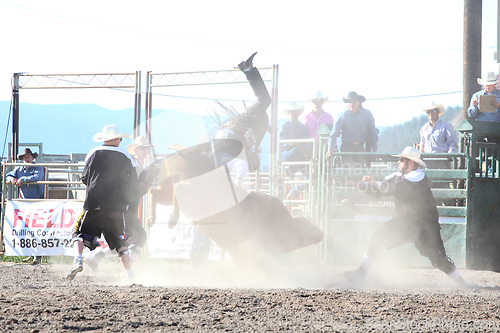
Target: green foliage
393 139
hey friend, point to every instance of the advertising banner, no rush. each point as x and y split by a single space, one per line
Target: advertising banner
40 228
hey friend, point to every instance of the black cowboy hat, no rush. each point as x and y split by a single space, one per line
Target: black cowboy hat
27 151
354 95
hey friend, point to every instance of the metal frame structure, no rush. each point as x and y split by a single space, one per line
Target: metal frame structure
73 81
214 77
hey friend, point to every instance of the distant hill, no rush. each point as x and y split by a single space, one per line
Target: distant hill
393 139
68 128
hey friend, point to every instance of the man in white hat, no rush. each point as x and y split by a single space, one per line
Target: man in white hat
489 88
110 176
416 221
437 136
294 152
140 149
317 117
290 130
356 129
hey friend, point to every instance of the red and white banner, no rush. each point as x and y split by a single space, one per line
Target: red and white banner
41 228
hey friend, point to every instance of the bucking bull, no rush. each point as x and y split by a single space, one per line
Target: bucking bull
197 182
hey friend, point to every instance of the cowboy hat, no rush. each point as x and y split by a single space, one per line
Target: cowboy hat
140 141
294 107
437 107
354 95
109 132
412 154
319 95
490 79
26 151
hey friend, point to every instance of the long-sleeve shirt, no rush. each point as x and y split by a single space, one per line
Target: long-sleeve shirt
111 179
27 174
354 127
289 131
473 111
313 123
440 138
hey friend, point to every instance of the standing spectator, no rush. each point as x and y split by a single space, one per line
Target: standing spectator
314 119
22 176
295 152
437 136
110 176
293 129
489 88
417 219
355 126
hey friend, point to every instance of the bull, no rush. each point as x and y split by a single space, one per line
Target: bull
197 182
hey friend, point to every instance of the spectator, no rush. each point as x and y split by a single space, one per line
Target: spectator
489 88
437 136
417 219
293 129
22 176
314 119
295 152
355 127
110 176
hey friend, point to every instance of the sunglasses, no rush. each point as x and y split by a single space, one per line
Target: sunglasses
431 111
402 159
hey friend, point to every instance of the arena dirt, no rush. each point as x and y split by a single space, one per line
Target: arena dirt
221 296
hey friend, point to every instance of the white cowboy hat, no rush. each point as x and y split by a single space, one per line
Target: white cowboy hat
437 107
319 95
109 132
294 107
140 141
412 154
490 79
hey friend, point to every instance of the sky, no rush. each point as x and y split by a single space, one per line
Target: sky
401 55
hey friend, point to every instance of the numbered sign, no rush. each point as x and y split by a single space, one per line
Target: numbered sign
40 228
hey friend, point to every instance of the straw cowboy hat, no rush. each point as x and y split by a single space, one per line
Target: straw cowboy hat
294 107
319 95
354 95
140 141
490 79
412 154
26 151
437 107
109 132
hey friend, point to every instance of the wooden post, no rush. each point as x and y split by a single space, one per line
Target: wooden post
472 50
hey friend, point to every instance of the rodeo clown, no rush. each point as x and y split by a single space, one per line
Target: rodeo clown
416 220
111 179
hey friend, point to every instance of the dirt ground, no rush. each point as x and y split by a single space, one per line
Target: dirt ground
221 296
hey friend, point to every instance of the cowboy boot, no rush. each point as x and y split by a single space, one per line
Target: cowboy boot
248 64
